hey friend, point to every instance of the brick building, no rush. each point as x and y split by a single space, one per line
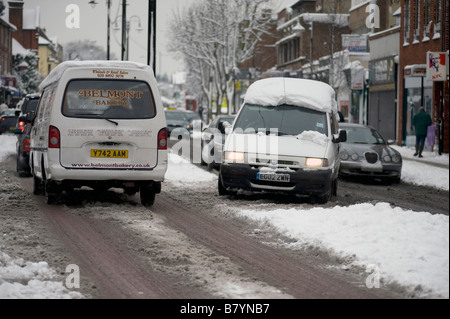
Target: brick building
308 31
31 36
424 27
6 81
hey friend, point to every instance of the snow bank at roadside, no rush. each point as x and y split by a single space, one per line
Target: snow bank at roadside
8 146
409 248
27 280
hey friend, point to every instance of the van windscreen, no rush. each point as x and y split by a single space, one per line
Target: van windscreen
285 119
111 99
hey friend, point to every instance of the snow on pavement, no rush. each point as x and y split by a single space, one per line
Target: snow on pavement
410 248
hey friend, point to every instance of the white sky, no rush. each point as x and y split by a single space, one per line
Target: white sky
93 26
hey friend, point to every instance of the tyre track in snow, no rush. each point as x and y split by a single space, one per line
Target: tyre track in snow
95 246
302 277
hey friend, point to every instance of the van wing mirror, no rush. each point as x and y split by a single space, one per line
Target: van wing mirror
341 138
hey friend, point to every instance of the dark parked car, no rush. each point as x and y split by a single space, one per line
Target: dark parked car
181 119
8 121
367 154
212 143
28 106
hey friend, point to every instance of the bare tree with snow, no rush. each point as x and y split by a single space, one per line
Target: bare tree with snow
214 37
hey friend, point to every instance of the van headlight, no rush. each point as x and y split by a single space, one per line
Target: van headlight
235 157
316 162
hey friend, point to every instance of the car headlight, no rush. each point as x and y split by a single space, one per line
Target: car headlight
344 156
396 158
316 162
355 157
235 157
387 159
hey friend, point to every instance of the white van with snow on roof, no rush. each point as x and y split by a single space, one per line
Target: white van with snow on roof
285 139
99 124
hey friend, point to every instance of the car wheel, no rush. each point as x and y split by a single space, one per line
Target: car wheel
37 186
147 195
335 187
22 171
50 197
222 190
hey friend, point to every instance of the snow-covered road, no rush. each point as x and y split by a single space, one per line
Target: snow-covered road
394 245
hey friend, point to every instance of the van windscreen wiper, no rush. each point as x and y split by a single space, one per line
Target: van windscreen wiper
98 116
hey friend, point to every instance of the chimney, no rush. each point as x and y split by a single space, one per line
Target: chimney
16 13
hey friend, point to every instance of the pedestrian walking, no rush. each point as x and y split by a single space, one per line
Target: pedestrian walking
421 122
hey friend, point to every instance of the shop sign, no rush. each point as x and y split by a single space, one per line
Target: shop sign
416 70
354 42
382 71
437 66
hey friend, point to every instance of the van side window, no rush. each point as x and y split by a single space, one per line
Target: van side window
42 105
46 103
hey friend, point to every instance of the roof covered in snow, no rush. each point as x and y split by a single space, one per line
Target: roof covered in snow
278 91
17 48
56 74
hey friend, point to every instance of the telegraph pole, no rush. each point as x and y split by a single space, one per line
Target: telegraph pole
151 45
124 28
108 45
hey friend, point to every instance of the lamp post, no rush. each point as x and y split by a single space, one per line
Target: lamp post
126 42
93 3
151 45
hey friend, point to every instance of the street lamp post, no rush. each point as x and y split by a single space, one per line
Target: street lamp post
93 3
151 45
124 28
127 28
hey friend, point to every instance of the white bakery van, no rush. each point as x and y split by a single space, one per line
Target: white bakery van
99 124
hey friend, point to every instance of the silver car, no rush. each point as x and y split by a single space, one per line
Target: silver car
367 154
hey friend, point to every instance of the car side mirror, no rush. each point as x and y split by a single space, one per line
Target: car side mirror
341 138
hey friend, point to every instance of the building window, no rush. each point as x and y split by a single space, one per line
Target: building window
416 20
427 20
289 51
437 16
406 22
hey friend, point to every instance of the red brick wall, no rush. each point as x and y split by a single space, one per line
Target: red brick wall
415 53
27 38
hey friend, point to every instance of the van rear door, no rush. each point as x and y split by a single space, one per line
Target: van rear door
108 124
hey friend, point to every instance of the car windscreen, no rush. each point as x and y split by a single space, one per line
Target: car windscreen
30 106
363 135
111 99
193 116
286 119
176 116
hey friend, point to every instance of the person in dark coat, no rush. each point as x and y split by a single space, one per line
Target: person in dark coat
421 121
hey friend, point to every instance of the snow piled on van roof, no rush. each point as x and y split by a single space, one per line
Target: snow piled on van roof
278 91
56 74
